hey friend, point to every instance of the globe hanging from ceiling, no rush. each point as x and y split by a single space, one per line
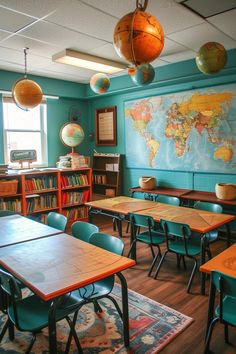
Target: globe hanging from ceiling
142 75
138 37
211 58
100 83
26 93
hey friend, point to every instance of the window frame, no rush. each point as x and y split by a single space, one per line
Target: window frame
43 133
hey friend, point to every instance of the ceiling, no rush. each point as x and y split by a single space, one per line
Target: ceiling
50 26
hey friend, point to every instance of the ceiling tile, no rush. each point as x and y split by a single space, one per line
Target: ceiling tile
185 55
110 52
195 37
13 21
225 22
210 7
36 8
171 47
3 35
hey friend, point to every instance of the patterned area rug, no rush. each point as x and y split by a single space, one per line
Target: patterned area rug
152 326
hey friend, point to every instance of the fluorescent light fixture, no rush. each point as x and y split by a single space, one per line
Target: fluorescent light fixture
50 97
84 60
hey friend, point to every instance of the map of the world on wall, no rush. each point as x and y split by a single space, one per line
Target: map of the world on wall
186 131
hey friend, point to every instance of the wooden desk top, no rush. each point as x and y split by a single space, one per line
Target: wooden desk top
16 228
173 192
224 262
55 265
206 197
121 205
199 220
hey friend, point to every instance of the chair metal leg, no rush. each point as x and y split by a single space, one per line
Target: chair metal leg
160 264
184 264
178 257
5 327
11 331
31 344
97 307
68 344
209 333
153 253
73 332
192 274
131 249
226 331
116 305
154 261
127 227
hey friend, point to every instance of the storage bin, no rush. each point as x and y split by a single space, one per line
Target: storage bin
225 191
147 182
8 187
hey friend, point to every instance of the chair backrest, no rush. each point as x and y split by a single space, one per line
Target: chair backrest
7 212
166 199
9 285
225 285
176 229
215 208
107 242
83 230
142 220
56 220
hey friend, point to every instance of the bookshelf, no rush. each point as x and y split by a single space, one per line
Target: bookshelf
106 179
37 193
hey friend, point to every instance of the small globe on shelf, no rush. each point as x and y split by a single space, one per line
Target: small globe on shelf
100 83
27 94
138 37
142 74
211 58
72 135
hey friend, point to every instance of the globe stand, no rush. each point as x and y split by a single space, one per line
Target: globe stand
72 153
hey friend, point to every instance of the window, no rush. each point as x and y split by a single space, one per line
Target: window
24 130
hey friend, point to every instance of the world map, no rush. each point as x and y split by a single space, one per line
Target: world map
187 131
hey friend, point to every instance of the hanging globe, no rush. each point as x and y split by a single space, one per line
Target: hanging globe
27 94
142 75
211 58
100 83
138 37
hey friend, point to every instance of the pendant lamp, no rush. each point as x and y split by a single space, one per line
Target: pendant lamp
26 93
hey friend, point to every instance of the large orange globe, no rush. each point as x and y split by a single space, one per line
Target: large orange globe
138 37
27 94
211 58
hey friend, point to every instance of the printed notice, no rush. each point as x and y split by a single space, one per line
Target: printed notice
106 126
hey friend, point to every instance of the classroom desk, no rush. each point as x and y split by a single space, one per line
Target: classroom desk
118 208
53 266
173 192
224 262
206 197
200 221
16 228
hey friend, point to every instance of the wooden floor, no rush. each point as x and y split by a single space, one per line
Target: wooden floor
170 289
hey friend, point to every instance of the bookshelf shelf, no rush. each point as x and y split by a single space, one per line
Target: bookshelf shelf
40 192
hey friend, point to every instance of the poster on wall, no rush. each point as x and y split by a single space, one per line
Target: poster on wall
187 131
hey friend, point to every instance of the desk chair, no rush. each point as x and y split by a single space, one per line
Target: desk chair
7 213
56 220
225 310
31 313
179 241
166 199
102 288
212 235
83 230
150 236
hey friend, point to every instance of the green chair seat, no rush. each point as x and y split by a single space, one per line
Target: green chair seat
193 247
157 238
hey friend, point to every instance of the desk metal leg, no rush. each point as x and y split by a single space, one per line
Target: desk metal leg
228 235
203 275
52 328
125 308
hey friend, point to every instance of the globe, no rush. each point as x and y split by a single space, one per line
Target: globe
100 83
27 94
211 58
142 74
138 37
71 135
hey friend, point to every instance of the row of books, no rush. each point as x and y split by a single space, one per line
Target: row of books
38 202
76 213
3 169
40 183
74 197
100 179
13 204
74 180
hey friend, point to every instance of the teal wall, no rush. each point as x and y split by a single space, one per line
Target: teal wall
169 78
70 95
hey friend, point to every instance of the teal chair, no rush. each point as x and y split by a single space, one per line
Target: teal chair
224 312
100 289
179 242
149 236
83 230
31 313
7 213
166 199
56 220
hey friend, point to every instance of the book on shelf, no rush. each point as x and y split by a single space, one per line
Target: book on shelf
73 161
3 169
